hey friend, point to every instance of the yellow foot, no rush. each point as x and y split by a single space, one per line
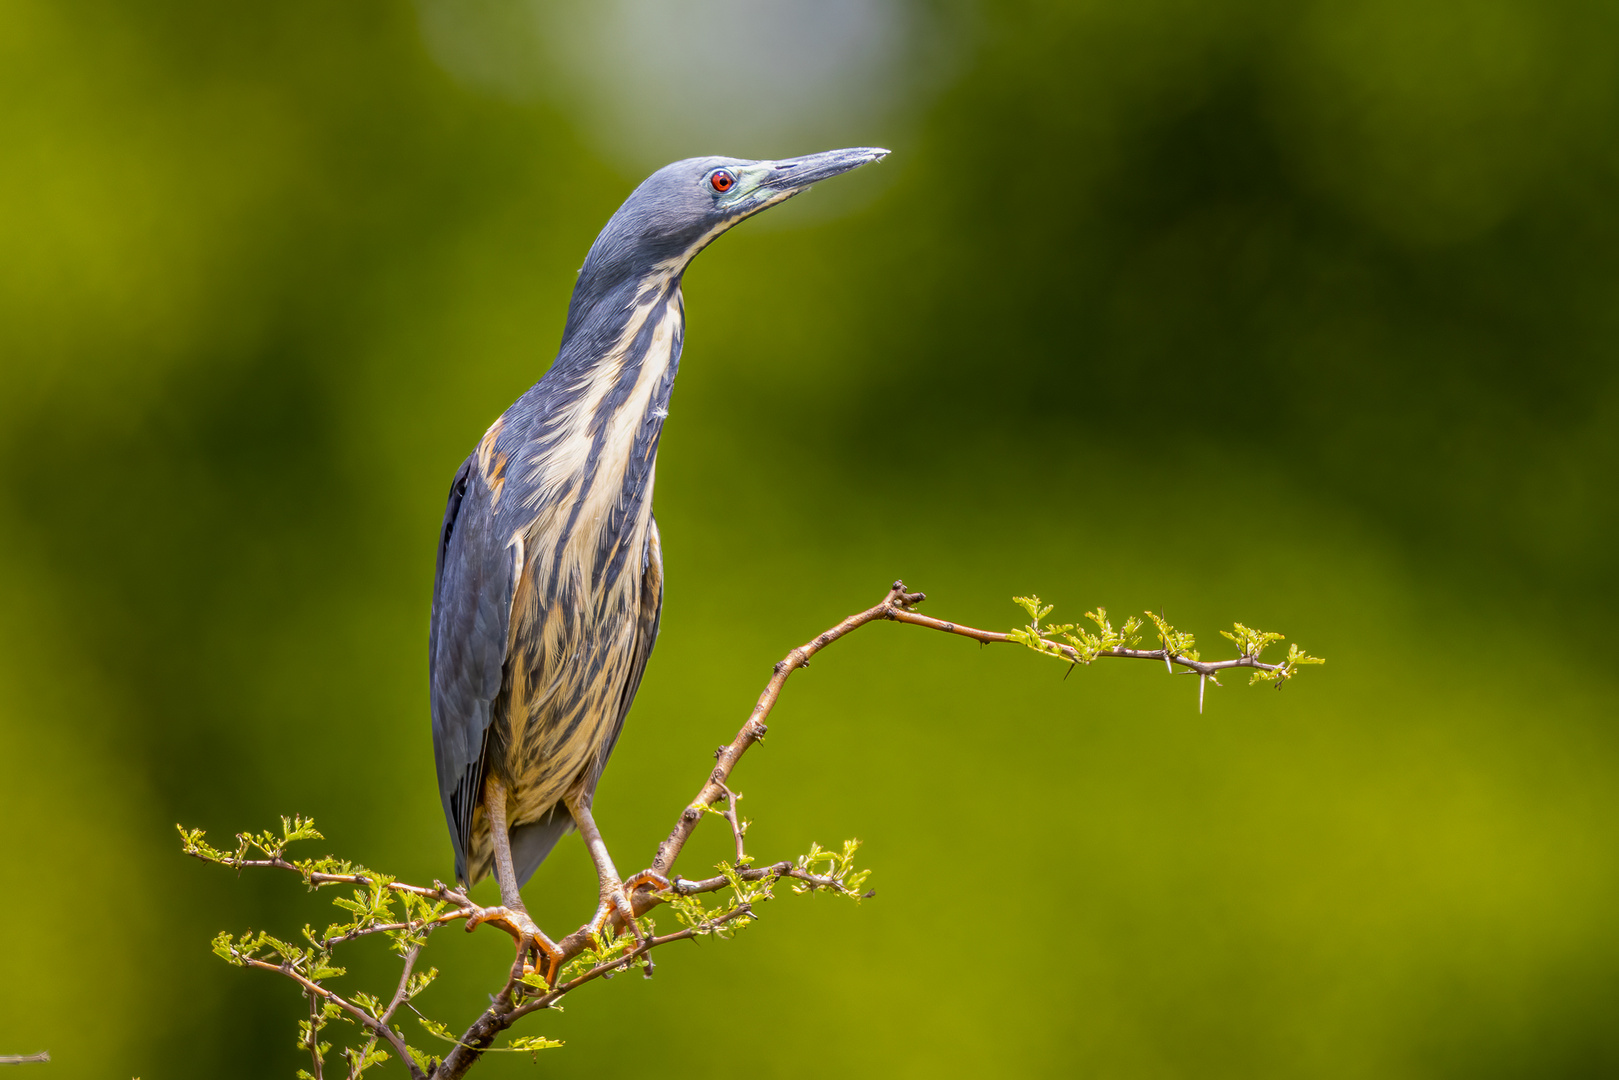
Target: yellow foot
617 897
531 940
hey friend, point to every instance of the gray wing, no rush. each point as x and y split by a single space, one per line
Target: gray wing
532 842
466 648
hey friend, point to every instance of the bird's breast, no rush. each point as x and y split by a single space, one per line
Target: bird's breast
579 494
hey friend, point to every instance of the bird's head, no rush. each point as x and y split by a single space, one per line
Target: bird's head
681 208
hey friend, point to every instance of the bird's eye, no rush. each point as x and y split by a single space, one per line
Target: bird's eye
722 180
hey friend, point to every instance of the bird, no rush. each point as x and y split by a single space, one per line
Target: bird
548 583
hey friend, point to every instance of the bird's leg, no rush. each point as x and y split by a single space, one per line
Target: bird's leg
512 916
615 892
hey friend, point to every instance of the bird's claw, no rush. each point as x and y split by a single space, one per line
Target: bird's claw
647 879
617 899
531 940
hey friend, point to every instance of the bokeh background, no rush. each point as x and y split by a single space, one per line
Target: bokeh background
1298 314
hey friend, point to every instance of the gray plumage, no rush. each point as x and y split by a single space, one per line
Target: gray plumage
549 578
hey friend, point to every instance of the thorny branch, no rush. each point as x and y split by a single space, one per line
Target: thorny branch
589 957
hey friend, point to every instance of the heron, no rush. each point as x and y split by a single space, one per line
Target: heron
548 584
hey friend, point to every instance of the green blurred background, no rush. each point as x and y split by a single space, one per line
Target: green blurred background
1298 314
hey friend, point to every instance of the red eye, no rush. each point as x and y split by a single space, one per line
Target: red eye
722 180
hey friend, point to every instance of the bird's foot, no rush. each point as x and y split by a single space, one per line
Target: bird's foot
646 879
617 898
532 944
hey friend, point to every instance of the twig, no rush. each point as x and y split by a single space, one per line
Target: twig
401 994
353 1010
778 870
314 1037
414 924
732 816
438 891
1165 656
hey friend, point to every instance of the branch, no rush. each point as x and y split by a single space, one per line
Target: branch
624 962
892 606
603 955
1069 652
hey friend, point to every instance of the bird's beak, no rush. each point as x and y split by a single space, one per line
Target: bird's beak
800 172
767 183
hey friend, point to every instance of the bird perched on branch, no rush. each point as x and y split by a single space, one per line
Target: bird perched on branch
549 579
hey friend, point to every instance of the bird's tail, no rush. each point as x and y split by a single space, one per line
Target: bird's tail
532 842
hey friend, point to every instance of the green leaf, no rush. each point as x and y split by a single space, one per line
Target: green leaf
419 982
1295 658
1175 642
225 948
536 981
1250 642
374 1056
436 1029
192 843
1036 610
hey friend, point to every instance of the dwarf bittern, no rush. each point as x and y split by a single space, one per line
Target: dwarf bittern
550 574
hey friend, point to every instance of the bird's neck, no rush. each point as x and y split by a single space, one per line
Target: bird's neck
616 368
595 420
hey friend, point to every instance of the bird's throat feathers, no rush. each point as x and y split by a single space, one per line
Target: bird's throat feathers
611 382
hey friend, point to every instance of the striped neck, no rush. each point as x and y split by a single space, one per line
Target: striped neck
616 367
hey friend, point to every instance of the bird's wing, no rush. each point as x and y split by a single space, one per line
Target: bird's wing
466 647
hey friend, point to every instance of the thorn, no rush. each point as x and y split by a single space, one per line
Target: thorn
1202 682
1070 670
